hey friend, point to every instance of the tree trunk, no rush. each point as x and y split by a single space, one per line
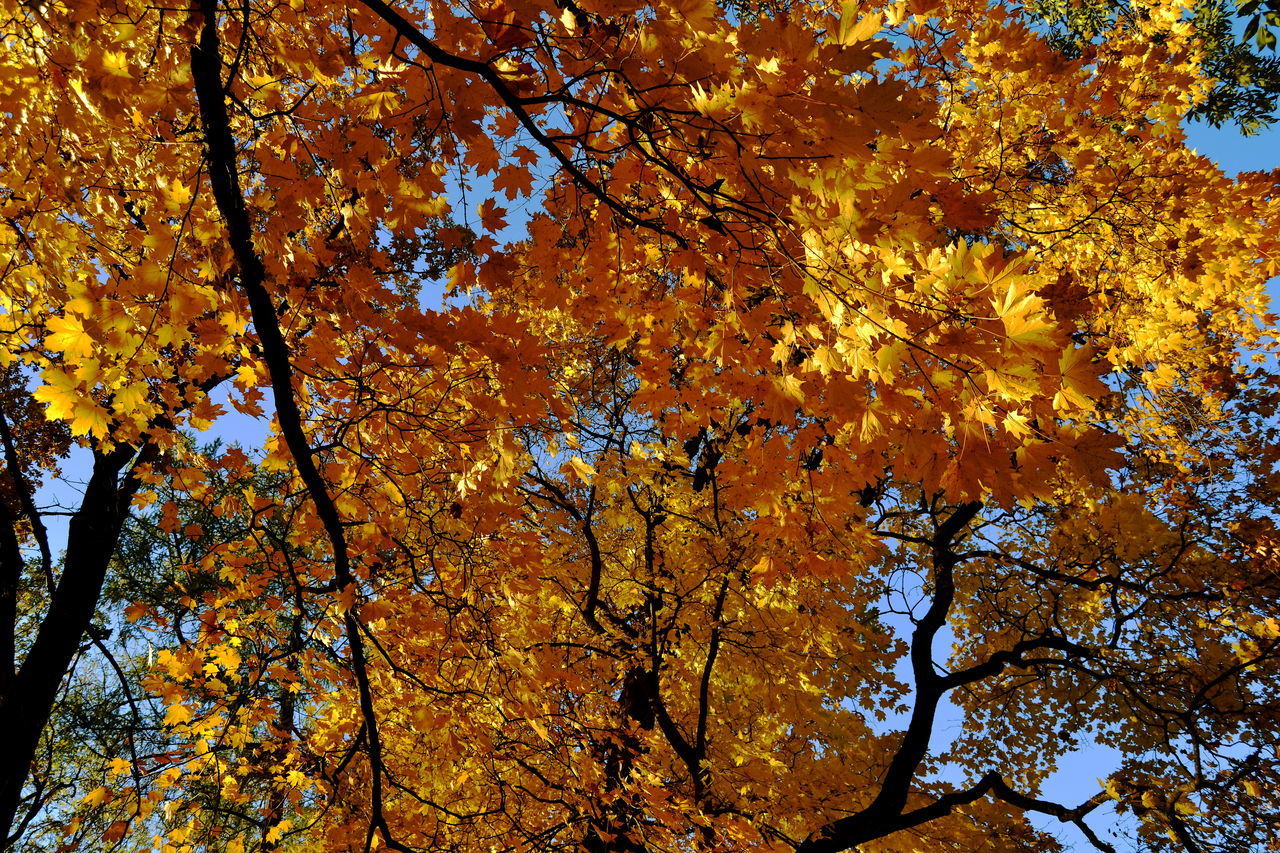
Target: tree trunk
31 690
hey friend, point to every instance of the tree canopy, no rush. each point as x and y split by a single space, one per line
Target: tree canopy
677 412
1237 43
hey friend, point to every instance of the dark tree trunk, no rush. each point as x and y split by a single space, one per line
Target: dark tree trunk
30 690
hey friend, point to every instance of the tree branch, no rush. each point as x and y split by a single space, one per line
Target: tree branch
517 105
206 71
885 813
25 501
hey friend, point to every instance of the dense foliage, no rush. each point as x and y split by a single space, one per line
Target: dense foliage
676 413
1237 43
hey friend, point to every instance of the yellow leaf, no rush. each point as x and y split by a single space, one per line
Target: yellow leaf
177 195
90 419
889 357
59 394
1016 424
277 832
826 360
77 88
346 599
541 730
115 63
226 657
855 27
131 396
97 796
177 715
65 400
67 335
581 469
790 387
1080 377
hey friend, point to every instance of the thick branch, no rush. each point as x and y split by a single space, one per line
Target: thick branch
885 813
999 661
206 70
11 562
25 500
10 581
28 702
929 686
1073 816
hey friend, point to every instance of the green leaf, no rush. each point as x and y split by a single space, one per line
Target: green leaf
1251 29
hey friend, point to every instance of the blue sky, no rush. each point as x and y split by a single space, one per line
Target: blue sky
1236 153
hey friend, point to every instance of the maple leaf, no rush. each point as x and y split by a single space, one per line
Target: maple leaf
176 715
59 393
483 156
68 336
97 796
856 25
581 469
492 216
514 181
115 63
66 400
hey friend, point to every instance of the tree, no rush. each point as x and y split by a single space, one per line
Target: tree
832 335
1237 41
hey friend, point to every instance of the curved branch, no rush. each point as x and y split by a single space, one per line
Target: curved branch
885 815
1073 816
999 661
206 71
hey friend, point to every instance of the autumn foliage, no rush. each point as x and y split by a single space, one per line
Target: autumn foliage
677 412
